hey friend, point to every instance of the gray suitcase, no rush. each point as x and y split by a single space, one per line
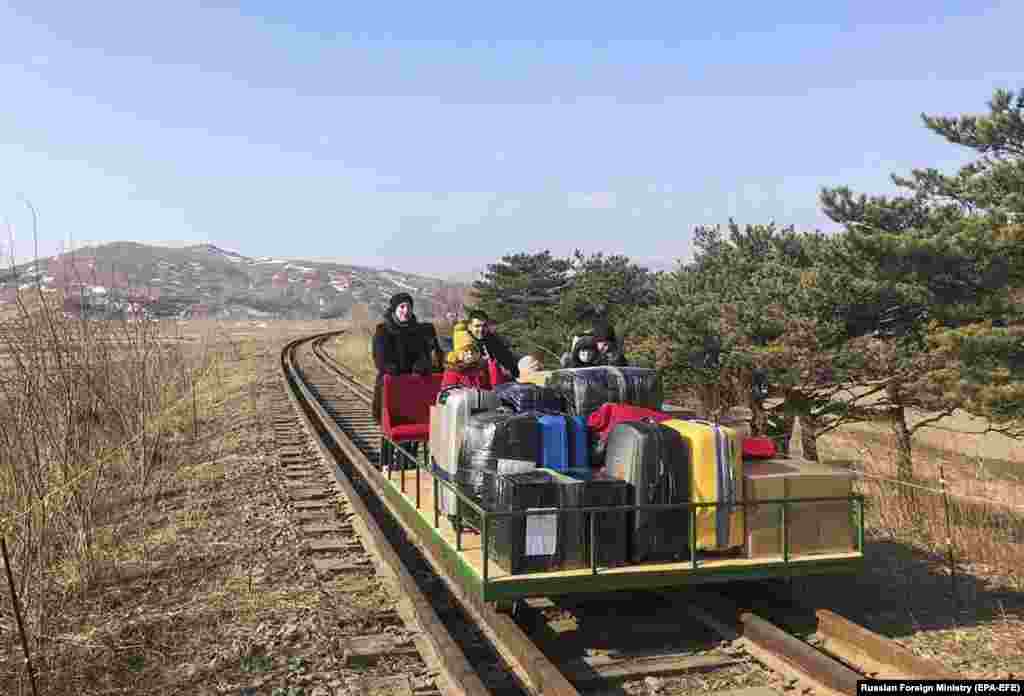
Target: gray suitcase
459 405
655 460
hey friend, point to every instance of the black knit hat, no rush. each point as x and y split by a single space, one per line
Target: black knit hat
602 331
398 299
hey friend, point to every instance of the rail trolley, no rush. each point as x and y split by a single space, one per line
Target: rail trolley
789 530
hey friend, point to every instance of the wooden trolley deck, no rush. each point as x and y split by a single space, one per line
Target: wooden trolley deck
463 556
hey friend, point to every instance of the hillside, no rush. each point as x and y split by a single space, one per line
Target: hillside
204 280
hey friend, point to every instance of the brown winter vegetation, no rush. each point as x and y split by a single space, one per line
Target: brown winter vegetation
115 442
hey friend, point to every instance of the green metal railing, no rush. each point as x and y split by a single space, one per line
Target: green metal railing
487 517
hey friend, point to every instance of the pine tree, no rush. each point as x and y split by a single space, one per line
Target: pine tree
931 275
521 293
605 288
751 305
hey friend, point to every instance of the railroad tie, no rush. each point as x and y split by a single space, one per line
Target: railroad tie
332 544
326 528
297 474
316 516
331 566
320 504
366 651
386 686
306 493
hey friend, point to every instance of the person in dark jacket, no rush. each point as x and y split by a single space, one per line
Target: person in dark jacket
609 352
602 338
584 353
402 346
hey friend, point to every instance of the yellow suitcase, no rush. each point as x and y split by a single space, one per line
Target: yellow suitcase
717 477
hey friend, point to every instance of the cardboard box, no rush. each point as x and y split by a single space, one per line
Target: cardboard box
812 527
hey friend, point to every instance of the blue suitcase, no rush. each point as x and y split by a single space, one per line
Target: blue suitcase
564 442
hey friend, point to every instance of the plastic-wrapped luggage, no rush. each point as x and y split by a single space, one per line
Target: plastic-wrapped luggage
717 478
586 389
490 436
460 404
529 397
564 442
655 460
530 544
590 488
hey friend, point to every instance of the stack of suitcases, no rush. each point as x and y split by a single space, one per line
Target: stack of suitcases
588 437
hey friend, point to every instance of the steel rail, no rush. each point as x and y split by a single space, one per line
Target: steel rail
507 636
458 671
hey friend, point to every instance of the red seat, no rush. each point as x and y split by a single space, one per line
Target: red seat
412 431
405 406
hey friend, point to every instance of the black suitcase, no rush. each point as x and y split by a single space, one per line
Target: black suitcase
656 461
529 397
595 488
527 544
490 436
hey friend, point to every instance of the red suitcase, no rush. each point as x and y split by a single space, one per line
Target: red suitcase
601 421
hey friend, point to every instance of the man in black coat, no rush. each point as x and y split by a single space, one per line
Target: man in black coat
402 346
489 343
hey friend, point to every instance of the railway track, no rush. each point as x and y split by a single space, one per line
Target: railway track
667 643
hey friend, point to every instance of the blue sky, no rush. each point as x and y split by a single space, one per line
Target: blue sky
435 137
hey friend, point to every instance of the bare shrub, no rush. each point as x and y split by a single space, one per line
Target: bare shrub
90 414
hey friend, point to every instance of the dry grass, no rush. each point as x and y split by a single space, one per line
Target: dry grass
981 520
202 586
353 350
944 573
94 418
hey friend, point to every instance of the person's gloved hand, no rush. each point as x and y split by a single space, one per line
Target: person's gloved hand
390 369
